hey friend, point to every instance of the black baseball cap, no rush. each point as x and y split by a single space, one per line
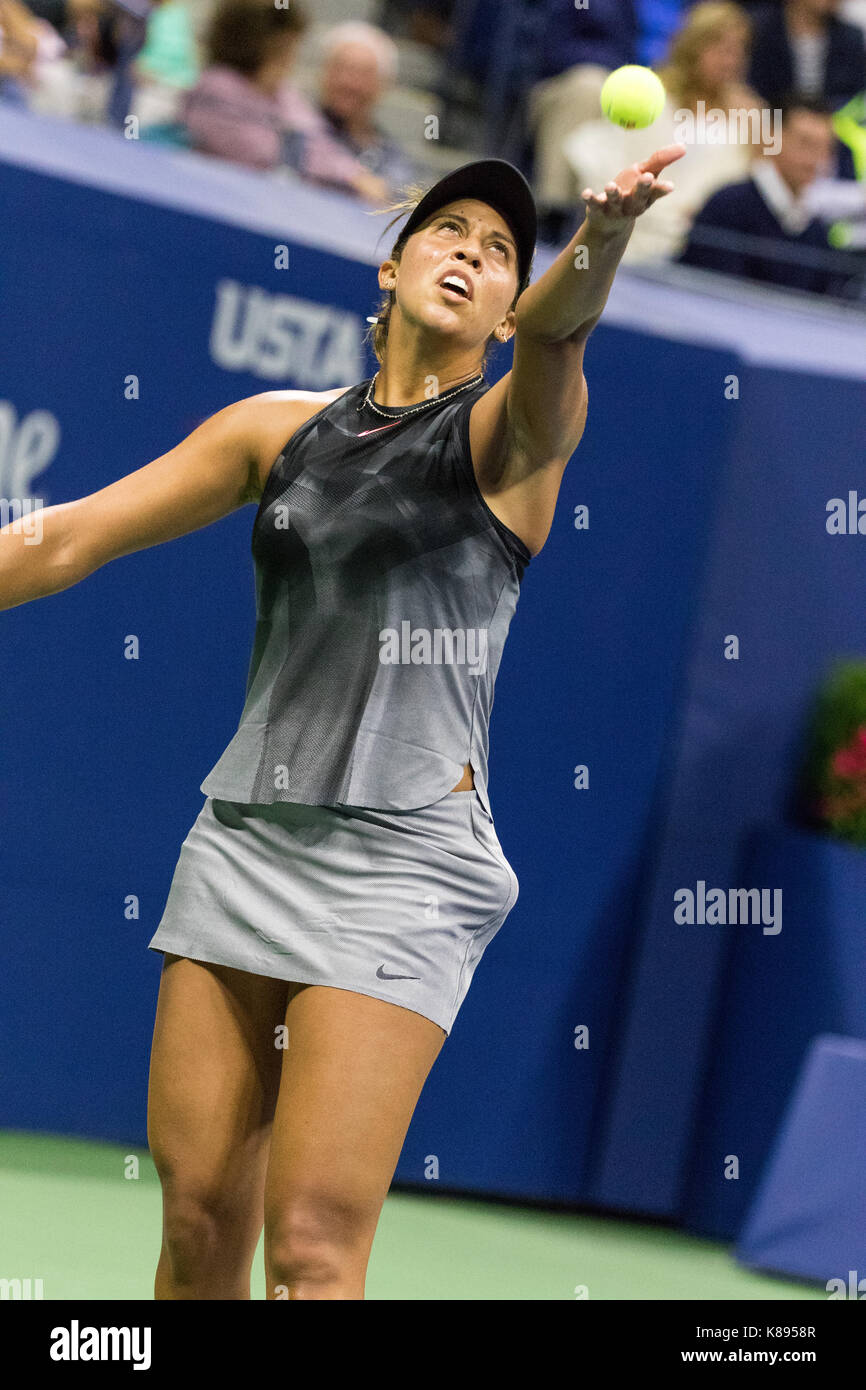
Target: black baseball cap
492 181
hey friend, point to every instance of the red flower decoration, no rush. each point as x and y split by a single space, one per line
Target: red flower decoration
851 761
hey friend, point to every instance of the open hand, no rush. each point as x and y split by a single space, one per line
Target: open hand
632 191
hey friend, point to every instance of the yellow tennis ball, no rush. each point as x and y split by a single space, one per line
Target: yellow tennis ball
632 97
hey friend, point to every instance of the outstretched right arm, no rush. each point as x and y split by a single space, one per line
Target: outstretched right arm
219 467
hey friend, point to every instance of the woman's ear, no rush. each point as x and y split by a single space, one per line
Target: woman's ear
388 275
505 330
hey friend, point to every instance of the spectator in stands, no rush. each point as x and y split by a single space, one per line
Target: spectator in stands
658 21
360 63
577 50
123 26
94 80
706 64
60 14
423 21
76 21
772 207
854 12
29 45
243 109
803 44
17 51
850 125
167 64
78 84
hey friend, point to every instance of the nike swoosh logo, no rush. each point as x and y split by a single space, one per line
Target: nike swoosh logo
361 436
383 975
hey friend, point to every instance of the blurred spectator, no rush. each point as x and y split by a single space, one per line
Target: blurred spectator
658 21
360 64
708 57
77 85
803 44
26 44
60 14
706 64
69 18
423 21
17 51
577 50
772 207
243 109
849 123
123 30
473 33
94 80
167 64
53 11
854 12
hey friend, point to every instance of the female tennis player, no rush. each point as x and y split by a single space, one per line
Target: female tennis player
343 878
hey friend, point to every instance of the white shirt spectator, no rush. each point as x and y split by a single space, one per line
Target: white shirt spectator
792 212
809 53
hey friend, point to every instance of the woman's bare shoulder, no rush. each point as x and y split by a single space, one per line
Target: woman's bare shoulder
271 418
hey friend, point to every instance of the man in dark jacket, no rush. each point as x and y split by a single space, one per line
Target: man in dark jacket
801 45
771 207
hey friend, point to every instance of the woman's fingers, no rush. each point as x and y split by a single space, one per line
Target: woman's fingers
660 159
617 202
637 197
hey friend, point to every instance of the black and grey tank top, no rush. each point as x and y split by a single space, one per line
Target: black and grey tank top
385 587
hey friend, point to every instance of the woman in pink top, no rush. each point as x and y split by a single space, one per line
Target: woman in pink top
242 108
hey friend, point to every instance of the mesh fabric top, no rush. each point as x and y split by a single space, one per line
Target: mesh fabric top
385 588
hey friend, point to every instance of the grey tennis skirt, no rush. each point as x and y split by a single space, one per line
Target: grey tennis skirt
400 905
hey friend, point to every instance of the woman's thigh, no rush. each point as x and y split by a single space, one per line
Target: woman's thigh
214 1079
351 1077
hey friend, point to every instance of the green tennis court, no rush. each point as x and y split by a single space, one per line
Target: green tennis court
76 1216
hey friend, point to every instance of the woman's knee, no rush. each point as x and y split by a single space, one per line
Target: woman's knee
317 1238
203 1226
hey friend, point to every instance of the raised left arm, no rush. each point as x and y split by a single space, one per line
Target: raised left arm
524 429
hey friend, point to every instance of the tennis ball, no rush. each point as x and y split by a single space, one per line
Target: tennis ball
632 97
840 235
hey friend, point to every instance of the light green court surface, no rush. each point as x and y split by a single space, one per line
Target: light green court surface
69 1217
